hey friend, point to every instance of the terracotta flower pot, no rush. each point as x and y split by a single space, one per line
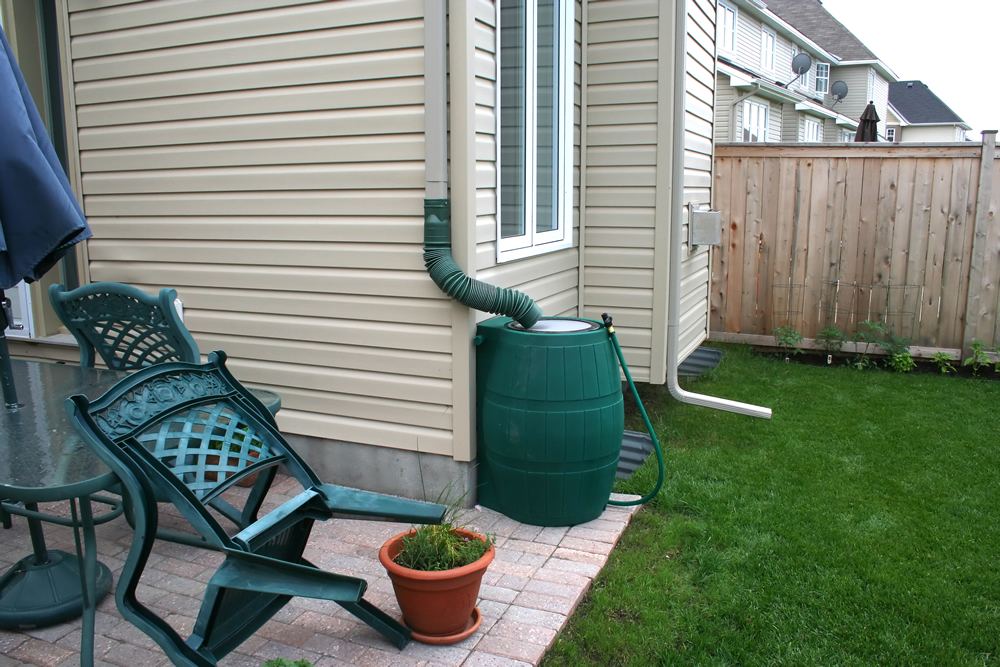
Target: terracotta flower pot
439 607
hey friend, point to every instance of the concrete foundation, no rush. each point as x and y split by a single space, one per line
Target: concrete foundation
397 472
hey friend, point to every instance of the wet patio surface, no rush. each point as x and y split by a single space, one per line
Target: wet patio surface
535 583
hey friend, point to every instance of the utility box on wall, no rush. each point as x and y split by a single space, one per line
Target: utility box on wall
705 227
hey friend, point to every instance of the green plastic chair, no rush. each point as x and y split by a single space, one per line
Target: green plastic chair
130 330
189 432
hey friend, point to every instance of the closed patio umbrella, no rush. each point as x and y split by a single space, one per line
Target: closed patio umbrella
868 124
40 219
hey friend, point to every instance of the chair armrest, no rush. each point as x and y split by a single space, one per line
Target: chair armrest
369 505
253 572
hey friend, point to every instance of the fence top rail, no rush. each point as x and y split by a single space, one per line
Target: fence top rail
913 150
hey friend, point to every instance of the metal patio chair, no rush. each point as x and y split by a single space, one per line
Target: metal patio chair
189 432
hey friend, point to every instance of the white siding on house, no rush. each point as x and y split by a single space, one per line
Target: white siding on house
266 160
791 123
621 140
725 95
856 78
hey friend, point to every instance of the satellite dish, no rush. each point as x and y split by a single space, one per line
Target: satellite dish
801 63
839 91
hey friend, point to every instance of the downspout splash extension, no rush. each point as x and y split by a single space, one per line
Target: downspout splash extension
677 240
470 292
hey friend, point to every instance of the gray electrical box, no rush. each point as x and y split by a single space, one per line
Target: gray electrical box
705 227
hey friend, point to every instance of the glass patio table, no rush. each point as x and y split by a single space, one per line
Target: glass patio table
43 460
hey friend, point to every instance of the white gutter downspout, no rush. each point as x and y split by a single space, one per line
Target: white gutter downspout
435 100
676 236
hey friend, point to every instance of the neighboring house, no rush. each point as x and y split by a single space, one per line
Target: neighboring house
917 114
270 159
757 98
866 76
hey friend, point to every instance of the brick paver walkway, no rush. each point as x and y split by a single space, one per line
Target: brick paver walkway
536 581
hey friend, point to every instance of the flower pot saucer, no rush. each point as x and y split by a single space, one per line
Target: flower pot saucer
474 621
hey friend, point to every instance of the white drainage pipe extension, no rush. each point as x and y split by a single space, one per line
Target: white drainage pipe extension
676 237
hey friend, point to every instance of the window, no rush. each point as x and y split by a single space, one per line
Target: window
536 127
871 84
767 40
847 136
813 130
754 121
725 28
822 77
890 134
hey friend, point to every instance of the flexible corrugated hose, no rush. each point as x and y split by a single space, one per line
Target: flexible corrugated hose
470 292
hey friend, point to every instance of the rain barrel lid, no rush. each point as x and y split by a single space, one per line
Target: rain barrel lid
556 325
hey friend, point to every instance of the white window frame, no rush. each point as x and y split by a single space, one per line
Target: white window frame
847 136
763 119
533 242
817 131
871 84
767 56
722 30
890 134
20 298
825 77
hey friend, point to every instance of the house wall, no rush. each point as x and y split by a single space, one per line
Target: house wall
268 164
791 123
931 133
627 215
725 95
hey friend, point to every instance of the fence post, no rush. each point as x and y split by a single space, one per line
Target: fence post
973 306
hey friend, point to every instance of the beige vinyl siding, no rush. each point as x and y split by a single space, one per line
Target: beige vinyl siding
625 261
725 95
265 158
856 78
698 151
551 278
622 72
881 99
791 123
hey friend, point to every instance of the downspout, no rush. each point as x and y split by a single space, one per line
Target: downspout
676 237
732 110
441 266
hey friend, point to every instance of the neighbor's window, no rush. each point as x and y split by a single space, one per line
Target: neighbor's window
890 134
813 130
847 135
725 28
767 40
536 127
754 121
822 77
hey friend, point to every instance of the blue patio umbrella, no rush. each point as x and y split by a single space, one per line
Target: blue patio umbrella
40 219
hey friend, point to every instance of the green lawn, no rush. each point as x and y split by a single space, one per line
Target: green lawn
859 526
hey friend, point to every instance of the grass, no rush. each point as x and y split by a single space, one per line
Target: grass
859 526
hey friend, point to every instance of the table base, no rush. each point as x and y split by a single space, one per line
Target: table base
40 595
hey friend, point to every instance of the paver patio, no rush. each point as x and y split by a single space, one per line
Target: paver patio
536 581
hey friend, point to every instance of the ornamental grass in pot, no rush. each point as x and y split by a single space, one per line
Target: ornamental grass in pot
436 572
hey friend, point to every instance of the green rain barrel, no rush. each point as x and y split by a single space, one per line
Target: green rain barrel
550 421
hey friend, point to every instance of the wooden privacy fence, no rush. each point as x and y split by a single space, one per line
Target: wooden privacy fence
816 236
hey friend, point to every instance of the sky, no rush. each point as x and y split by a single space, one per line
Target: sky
950 46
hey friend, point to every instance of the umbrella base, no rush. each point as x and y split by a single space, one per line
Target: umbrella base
41 595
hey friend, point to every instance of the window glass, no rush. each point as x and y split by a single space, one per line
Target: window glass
822 77
726 28
813 130
536 124
754 121
767 50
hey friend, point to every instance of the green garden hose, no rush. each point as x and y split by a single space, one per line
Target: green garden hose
449 276
642 410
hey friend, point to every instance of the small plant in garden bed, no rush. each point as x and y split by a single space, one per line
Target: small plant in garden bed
870 336
285 662
978 359
898 348
788 339
943 362
832 339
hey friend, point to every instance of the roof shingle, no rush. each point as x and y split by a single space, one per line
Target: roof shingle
811 19
917 104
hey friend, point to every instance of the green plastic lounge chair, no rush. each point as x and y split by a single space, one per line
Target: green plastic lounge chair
130 329
189 431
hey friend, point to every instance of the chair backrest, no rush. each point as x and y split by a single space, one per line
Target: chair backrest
128 328
193 429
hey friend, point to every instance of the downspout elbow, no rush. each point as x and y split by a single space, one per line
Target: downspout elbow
448 276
